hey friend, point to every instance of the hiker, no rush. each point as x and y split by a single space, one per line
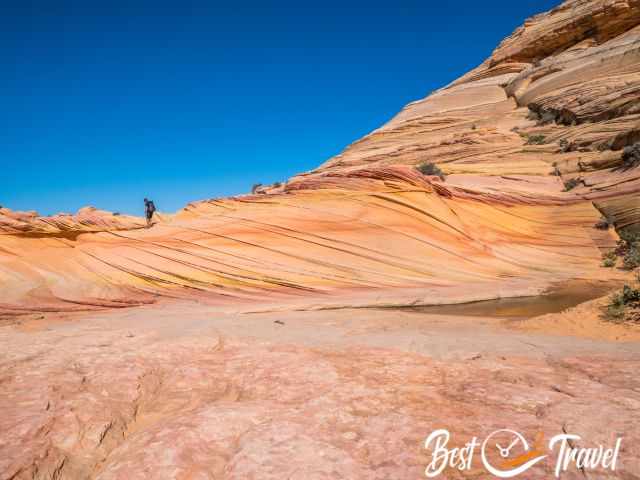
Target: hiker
149 208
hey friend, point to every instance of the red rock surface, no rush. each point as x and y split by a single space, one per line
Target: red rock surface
190 384
188 392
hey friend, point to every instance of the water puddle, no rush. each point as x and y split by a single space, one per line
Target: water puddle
553 301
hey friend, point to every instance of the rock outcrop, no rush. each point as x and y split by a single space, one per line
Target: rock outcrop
249 355
386 233
551 110
86 220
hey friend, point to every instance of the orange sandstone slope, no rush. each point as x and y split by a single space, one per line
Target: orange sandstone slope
558 100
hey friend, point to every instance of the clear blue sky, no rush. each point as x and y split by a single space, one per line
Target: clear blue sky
104 103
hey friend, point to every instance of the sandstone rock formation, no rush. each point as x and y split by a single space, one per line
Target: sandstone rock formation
556 102
531 143
349 394
88 219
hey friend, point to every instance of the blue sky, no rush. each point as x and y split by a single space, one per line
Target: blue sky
104 103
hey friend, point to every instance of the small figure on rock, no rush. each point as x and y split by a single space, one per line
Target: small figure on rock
149 209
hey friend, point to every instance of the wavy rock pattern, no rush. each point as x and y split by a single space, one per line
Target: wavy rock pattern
252 365
388 230
560 96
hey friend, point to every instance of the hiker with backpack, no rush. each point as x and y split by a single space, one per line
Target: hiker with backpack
149 209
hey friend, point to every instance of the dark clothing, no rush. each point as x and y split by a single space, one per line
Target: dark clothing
149 208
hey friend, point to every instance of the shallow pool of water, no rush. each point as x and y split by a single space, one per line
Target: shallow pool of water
553 301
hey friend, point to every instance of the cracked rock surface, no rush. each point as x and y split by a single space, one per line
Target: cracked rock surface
185 392
256 336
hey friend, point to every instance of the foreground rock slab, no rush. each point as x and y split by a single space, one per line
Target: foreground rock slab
185 392
236 339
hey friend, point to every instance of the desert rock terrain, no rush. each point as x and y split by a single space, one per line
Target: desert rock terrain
267 335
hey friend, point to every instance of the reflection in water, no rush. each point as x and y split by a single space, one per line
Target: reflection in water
556 300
